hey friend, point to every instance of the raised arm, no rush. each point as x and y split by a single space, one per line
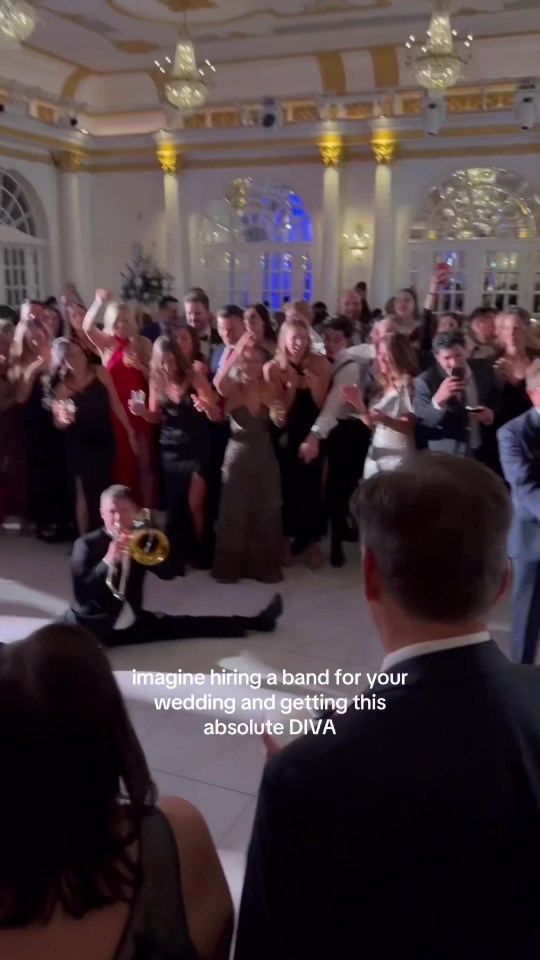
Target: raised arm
102 341
223 381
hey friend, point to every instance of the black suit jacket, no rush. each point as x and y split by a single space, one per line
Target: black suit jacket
95 607
446 430
413 832
519 447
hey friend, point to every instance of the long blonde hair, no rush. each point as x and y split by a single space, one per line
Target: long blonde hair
111 316
302 309
292 323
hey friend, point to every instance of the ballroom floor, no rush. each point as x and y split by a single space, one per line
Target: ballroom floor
325 625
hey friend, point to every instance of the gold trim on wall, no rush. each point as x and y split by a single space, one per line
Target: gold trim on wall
72 83
385 66
333 79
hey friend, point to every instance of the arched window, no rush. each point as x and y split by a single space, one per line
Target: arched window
484 224
479 204
256 245
21 265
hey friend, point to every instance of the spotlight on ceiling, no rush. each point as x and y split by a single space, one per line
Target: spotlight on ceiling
527 99
434 113
272 114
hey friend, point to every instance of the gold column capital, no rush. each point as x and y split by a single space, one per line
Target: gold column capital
69 161
168 157
331 149
384 147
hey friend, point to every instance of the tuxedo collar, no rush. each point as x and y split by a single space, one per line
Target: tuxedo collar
448 667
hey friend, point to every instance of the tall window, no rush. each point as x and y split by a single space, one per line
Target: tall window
483 223
256 245
20 247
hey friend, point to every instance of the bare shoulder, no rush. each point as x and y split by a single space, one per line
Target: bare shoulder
206 896
319 364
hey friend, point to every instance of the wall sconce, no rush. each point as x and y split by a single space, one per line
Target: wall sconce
358 243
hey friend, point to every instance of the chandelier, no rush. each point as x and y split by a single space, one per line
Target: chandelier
185 86
18 20
438 62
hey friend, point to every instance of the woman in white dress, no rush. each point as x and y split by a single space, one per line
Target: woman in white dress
390 410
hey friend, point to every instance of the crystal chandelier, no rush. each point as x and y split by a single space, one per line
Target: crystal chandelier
185 86
18 20
438 62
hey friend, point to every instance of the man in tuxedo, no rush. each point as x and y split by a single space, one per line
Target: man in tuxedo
120 622
198 315
456 401
519 449
230 325
412 830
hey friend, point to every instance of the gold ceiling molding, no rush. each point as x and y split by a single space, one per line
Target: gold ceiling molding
332 70
186 6
385 66
25 155
178 6
72 83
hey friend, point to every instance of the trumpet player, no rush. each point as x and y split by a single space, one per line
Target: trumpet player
108 587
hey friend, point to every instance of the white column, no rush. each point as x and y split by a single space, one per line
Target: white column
331 150
76 224
381 286
176 224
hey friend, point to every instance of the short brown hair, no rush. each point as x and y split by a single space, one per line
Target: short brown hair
437 529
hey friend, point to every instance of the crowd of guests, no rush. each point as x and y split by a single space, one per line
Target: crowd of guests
249 431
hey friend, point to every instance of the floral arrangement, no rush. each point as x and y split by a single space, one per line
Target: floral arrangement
143 280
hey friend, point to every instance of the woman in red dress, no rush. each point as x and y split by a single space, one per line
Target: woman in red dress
126 356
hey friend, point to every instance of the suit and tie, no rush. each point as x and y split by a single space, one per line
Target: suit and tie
207 342
519 449
99 611
413 831
447 429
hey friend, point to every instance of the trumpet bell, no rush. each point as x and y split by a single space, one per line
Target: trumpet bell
149 546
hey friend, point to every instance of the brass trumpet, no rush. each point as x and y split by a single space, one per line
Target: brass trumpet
148 546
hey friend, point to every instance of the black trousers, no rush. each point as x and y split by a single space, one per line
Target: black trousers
347 447
525 611
155 627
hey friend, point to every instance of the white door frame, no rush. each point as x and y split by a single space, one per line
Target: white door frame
474 253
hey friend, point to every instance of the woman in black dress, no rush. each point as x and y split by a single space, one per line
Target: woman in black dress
302 378
82 398
48 508
179 395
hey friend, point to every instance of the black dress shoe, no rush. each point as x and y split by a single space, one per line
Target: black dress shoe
266 620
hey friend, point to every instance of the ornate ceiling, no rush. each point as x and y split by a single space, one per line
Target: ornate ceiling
102 52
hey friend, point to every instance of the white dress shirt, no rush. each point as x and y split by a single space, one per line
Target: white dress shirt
126 617
432 646
347 373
